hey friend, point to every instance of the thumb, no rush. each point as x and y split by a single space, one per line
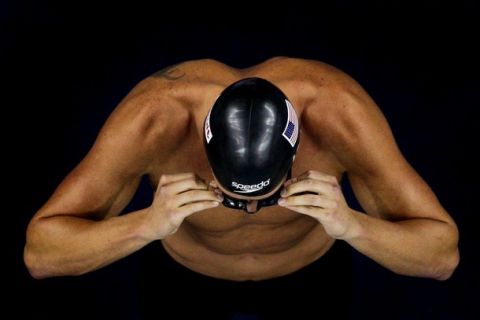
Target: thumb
213 184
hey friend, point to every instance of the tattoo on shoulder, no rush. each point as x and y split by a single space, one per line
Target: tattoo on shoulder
169 73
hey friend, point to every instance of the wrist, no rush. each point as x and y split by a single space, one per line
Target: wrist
356 228
145 229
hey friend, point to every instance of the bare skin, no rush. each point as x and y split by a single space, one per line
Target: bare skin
157 131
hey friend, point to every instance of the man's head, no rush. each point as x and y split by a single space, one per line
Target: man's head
251 134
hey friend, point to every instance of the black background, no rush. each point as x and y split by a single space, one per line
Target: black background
65 67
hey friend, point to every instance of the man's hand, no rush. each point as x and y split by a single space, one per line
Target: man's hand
320 196
177 197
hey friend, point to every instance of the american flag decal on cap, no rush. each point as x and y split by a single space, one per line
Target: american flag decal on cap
291 128
208 130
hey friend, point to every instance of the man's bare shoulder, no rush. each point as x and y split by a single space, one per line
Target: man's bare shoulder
167 93
193 72
324 75
342 109
150 115
159 107
190 82
312 79
302 69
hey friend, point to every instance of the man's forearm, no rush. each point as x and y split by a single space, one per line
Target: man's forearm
66 245
415 247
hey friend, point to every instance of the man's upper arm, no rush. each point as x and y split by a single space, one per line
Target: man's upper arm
383 181
105 180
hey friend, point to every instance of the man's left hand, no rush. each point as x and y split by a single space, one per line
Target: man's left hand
320 197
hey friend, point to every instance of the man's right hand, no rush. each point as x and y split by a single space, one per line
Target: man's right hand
177 197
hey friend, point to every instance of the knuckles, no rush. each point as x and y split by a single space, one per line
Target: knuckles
200 183
334 188
312 199
163 190
163 179
334 206
309 182
318 175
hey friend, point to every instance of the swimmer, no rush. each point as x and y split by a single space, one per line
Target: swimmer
246 166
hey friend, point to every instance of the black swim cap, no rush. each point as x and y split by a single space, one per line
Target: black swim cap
251 135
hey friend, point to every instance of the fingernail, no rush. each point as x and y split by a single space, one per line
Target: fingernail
220 197
281 201
283 193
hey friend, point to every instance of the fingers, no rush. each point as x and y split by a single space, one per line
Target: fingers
182 185
191 208
317 175
309 211
169 178
195 196
311 200
311 185
213 184
186 193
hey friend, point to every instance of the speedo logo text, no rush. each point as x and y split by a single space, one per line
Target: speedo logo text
249 188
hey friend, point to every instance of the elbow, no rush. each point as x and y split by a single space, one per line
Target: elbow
44 260
450 259
40 267
447 261
35 259
445 269
31 258
34 266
